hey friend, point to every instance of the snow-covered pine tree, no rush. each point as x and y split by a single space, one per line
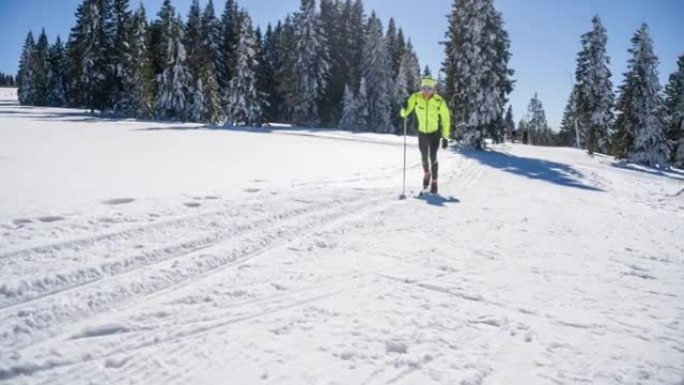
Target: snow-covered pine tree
211 38
641 119
412 67
210 31
89 46
523 132
376 67
244 102
172 85
355 26
569 127
139 84
56 75
40 69
478 77
392 39
230 33
537 127
196 109
362 106
268 65
674 102
213 110
349 111
193 45
311 64
25 77
509 124
333 30
120 59
595 97
400 93
285 72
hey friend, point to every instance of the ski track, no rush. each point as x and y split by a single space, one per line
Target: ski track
170 268
138 338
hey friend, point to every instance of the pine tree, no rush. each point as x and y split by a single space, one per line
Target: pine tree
311 64
56 75
193 43
244 102
285 72
349 111
89 46
356 30
40 69
362 106
569 128
594 88
536 125
509 124
641 123
211 65
230 33
140 82
376 70
211 38
332 26
674 102
400 92
25 76
173 83
523 132
121 60
412 67
213 111
268 65
478 77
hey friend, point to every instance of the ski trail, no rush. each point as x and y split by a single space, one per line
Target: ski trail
23 323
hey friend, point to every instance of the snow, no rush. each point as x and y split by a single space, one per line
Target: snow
145 253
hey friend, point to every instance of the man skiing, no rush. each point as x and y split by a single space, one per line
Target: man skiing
430 109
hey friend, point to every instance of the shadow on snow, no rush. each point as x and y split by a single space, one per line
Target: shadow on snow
437 200
548 171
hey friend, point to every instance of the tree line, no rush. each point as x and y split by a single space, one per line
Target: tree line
7 80
219 70
643 124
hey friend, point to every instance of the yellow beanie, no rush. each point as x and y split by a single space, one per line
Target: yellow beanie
428 81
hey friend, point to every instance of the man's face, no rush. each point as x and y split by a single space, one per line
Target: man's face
428 91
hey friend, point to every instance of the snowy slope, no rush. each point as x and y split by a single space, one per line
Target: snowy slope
151 253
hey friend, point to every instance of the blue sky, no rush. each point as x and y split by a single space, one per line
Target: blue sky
544 34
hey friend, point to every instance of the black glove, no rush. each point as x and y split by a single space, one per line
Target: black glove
445 143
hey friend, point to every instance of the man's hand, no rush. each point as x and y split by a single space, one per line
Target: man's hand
445 143
403 113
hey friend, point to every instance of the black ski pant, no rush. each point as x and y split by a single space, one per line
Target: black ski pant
429 144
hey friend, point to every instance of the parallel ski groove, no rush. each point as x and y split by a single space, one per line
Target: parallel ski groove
50 312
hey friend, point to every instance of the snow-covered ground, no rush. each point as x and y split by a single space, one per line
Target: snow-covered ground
150 253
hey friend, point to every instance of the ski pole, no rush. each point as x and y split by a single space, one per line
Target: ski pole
403 194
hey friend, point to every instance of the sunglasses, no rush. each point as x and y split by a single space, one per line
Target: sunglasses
428 89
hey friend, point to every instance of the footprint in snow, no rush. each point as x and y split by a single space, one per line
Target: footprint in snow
21 221
118 201
192 204
252 190
51 218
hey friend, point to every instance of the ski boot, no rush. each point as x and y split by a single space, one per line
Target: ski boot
426 180
433 186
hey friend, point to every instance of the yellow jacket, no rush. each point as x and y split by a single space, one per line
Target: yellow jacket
429 113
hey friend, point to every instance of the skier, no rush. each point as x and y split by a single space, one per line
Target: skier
430 108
